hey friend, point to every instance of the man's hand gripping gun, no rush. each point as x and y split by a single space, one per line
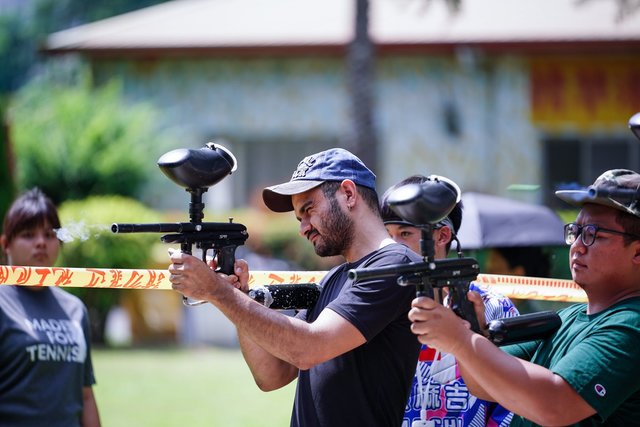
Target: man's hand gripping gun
425 205
196 171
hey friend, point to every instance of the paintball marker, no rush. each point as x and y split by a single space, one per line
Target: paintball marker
424 205
626 198
196 171
621 195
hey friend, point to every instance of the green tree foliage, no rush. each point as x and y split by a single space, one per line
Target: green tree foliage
6 183
73 141
24 27
56 15
17 53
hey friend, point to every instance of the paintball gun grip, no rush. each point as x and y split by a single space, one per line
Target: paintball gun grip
468 313
424 291
464 308
226 259
185 248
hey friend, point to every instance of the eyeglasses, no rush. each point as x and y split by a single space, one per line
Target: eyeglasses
588 233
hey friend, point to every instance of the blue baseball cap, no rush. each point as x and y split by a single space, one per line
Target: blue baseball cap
335 164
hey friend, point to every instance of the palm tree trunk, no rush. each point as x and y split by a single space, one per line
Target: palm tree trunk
362 141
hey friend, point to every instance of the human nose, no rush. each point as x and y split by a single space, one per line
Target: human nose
41 239
578 245
305 227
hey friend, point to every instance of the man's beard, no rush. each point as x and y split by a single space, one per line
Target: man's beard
337 232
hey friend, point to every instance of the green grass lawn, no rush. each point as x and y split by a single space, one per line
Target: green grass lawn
184 387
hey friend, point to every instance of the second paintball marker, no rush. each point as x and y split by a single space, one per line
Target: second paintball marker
424 205
623 196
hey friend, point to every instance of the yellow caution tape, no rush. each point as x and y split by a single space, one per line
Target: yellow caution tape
537 288
518 287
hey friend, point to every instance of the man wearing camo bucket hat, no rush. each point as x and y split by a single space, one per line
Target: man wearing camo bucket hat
586 373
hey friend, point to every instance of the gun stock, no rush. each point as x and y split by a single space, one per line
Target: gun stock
287 296
526 327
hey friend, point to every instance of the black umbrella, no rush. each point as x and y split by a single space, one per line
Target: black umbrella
491 221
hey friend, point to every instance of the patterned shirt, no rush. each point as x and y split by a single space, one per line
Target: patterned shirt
443 396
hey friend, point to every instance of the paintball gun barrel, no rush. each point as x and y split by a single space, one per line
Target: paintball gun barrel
437 271
621 195
223 238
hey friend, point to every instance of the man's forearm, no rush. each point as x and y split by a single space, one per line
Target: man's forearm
472 384
281 336
269 372
524 388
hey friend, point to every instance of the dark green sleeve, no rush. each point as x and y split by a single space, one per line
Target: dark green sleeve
522 350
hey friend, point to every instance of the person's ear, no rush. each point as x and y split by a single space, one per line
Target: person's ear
443 236
3 242
348 188
636 252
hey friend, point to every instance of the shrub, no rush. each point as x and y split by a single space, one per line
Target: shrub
74 141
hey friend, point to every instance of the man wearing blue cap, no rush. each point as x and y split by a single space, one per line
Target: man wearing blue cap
353 353
586 373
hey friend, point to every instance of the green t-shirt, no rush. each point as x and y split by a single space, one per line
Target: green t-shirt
599 356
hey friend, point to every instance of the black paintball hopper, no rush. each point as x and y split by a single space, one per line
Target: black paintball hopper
426 203
201 168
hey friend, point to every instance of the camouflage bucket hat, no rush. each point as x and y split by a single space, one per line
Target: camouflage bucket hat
616 188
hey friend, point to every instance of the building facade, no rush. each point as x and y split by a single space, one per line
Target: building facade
499 97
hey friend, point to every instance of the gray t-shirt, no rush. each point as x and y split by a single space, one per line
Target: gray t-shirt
45 358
